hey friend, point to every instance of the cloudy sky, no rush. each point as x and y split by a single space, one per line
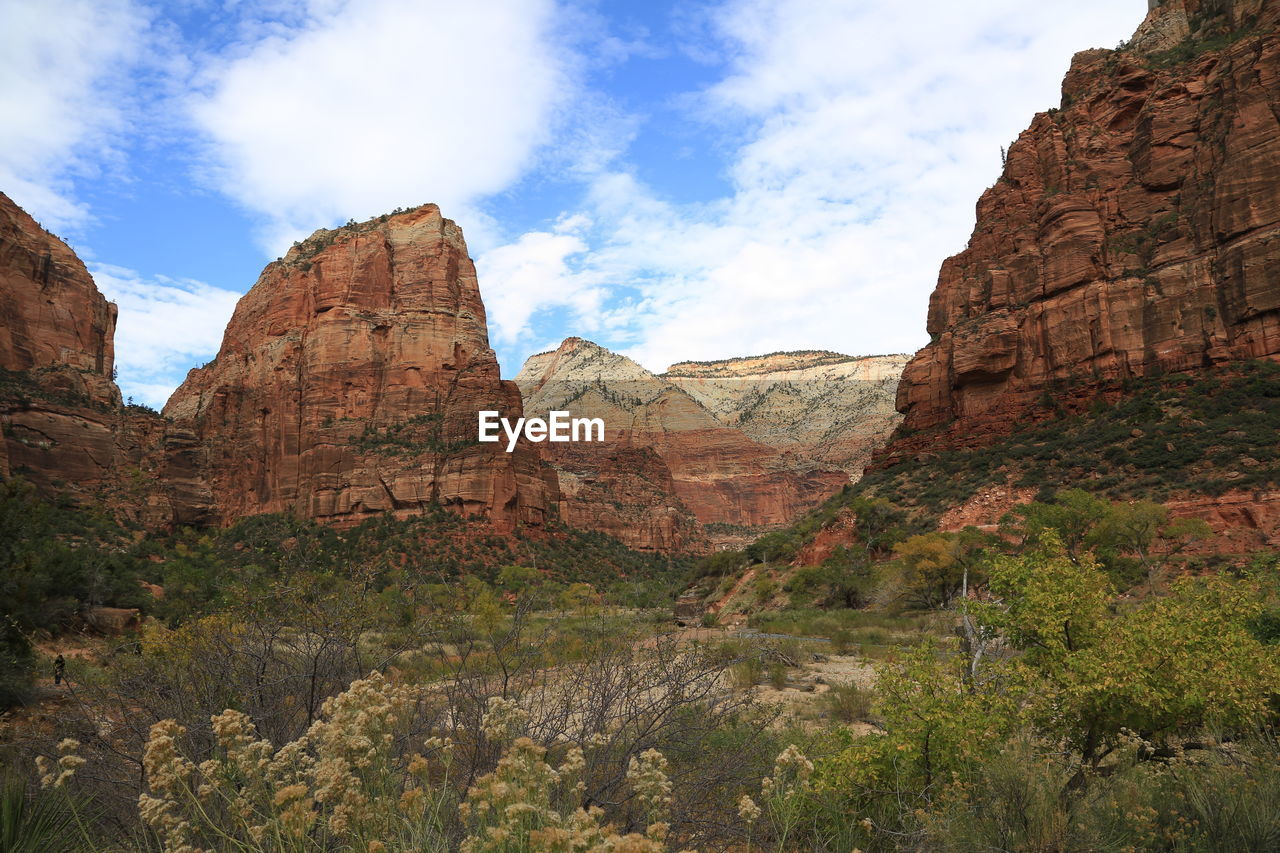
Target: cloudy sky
673 180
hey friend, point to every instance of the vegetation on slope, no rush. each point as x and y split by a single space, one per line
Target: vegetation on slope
1198 433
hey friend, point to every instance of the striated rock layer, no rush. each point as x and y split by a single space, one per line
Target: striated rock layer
56 332
821 408
349 381
1134 231
64 428
668 465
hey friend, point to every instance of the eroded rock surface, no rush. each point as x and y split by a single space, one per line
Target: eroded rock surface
820 408
684 468
1134 231
64 428
349 381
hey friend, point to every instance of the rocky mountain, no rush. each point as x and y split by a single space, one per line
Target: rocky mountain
1121 289
348 385
722 449
1134 231
64 428
820 407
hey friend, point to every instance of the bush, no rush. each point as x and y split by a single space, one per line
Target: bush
778 675
766 588
37 821
848 703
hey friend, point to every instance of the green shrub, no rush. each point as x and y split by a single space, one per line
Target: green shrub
34 820
747 673
848 703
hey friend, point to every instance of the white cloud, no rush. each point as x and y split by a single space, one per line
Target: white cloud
165 327
65 63
865 132
534 274
384 103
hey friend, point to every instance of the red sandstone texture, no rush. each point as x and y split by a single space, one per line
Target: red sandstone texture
349 381
63 426
52 316
624 491
1134 231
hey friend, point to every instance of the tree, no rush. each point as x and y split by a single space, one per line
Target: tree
1161 669
934 567
1142 527
1072 516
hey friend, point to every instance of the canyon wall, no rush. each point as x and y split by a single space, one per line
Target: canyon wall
64 428
1134 231
348 385
819 408
679 464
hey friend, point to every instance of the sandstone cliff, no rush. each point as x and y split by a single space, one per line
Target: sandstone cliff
820 407
667 460
64 427
56 350
1134 231
348 384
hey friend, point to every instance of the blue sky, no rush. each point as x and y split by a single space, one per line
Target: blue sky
673 180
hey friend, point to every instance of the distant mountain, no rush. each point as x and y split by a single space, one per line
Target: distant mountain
720 451
822 407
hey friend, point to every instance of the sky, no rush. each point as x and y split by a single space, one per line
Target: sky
697 179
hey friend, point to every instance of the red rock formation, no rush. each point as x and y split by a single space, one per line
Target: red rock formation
52 316
624 491
348 384
679 460
57 400
64 427
1134 231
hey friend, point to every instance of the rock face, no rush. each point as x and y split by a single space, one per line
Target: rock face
668 464
53 317
820 408
1134 231
349 381
65 429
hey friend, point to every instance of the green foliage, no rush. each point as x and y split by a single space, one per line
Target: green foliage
1053 606
932 568
425 433
1204 433
1130 540
1166 666
1221 801
209 568
933 726
22 386
37 821
719 564
849 703
54 562
847 577
777 547
1082 739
